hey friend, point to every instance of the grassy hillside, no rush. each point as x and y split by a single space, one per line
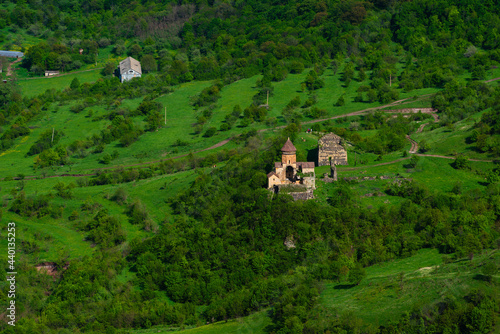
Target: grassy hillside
396 287
155 226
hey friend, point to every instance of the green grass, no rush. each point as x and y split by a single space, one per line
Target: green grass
450 141
36 86
252 324
435 174
395 287
180 119
65 236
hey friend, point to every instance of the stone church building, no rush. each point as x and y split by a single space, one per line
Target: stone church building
287 171
331 151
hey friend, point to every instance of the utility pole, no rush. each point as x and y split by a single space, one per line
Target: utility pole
52 136
165 115
267 102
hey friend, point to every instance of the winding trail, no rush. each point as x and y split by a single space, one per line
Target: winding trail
9 68
491 80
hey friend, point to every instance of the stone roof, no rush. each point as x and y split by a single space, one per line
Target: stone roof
271 174
307 164
278 165
130 64
288 147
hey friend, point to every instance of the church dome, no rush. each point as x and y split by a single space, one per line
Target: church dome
288 147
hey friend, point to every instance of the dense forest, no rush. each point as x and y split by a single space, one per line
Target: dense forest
221 252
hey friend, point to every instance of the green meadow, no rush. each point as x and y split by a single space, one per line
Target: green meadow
59 236
253 324
35 86
392 288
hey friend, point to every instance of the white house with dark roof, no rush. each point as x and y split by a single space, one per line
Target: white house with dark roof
130 68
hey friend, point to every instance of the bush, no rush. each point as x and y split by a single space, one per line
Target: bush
461 162
413 161
356 275
120 196
210 132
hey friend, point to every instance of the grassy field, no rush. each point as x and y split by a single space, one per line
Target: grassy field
181 116
253 324
58 236
36 86
398 286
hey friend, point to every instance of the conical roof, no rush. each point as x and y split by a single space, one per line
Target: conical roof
288 147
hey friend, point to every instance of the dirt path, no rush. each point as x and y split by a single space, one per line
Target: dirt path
9 68
491 80
414 145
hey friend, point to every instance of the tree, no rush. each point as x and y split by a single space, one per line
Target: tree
357 274
372 95
109 68
413 161
489 270
340 102
461 162
210 132
75 84
423 146
148 63
135 50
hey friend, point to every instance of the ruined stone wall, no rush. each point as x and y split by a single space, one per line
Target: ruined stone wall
310 182
412 110
303 196
331 149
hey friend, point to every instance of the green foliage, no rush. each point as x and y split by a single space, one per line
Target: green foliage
210 132
461 162
221 240
313 82
47 139
105 230
340 102
109 68
489 270
413 161
148 63
356 275
75 84
64 191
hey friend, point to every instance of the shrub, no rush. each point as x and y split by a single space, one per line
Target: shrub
210 132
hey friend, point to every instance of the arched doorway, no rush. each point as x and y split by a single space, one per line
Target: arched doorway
289 173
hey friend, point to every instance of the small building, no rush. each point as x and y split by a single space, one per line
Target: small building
51 73
331 151
11 54
129 68
289 171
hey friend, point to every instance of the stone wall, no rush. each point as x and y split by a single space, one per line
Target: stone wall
303 195
412 110
310 182
330 150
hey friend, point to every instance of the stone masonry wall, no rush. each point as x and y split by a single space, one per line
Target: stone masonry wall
330 147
